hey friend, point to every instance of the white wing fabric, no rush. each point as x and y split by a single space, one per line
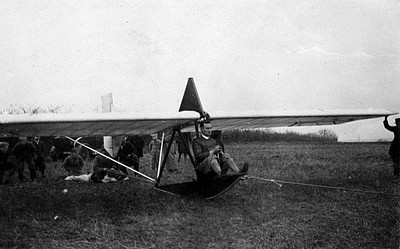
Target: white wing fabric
94 124
113 124
253 120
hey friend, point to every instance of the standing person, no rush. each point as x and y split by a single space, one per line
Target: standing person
127 155
154 147
394 150
137 142
211 160
25 152
73 163
40 156
171 163
5 161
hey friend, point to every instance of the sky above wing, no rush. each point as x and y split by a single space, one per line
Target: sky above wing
243 55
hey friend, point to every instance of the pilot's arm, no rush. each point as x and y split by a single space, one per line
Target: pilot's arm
387 126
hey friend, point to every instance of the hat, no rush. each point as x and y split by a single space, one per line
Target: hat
3 144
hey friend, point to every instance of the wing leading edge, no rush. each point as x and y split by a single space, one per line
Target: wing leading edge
293 118
113 124
96 124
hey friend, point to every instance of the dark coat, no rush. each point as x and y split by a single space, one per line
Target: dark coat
40 151
202 147
5 159
394 149
138 143
24 150
126 149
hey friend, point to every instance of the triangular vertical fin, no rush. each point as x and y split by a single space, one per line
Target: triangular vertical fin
191 100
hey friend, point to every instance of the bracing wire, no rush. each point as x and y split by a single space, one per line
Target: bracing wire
280 183
148 179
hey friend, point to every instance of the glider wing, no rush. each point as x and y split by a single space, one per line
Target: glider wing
254 120
114 124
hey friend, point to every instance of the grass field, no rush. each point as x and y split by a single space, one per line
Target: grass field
254 214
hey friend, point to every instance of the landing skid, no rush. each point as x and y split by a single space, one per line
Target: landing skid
209 190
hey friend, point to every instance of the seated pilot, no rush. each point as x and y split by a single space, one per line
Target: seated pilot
211 160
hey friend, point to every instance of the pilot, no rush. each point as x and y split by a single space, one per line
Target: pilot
211 160
394 150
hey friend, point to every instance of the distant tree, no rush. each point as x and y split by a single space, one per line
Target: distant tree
272 136
21 109
328 134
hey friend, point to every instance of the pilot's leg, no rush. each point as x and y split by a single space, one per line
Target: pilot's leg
208 169
216 167
228 163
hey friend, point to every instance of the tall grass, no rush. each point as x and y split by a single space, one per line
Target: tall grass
265 135
254 214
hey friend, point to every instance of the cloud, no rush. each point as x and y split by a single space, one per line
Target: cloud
357 53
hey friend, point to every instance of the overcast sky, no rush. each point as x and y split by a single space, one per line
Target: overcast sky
243 55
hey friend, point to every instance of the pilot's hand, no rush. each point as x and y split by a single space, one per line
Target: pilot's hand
386 119
217 149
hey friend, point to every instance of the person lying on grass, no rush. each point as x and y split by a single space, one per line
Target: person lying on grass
104 170
211 160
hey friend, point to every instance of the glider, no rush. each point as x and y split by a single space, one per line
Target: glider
190 114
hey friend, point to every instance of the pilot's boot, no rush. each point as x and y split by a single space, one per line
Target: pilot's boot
245 168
